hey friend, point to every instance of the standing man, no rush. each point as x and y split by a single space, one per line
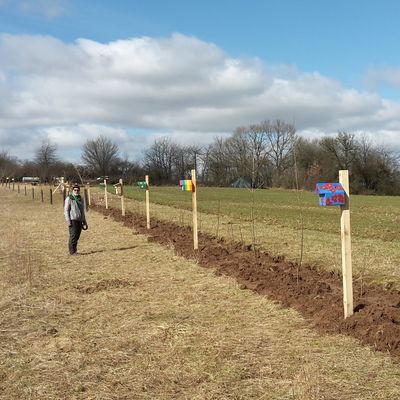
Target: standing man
74 212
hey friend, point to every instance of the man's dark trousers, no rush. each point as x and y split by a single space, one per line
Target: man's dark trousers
75 230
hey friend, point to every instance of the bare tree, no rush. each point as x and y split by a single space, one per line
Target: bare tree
100 155
281 138
248 151
9 165
46 158
160 159
219 164
342 148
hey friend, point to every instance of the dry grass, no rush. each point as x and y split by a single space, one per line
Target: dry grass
130 320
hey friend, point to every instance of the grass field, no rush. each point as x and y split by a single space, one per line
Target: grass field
130 320
290 223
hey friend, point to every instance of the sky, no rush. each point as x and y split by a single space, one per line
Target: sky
139 70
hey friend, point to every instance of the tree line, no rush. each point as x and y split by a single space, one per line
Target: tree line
263 155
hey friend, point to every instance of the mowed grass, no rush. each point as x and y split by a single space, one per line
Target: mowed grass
130 320
290 223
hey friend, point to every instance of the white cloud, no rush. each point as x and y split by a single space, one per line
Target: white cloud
179 86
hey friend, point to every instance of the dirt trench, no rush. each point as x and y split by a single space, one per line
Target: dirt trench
316 294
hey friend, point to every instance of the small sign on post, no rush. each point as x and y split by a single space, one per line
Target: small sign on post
331 194
145 185
338 194
189 185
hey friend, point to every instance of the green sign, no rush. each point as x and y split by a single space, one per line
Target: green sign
142 184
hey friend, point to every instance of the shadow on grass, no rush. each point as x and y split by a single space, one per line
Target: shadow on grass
85 253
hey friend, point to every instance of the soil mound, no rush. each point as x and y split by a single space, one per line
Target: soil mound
316 294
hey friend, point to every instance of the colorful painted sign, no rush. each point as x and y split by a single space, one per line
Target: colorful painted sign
186 184
142 185
331 194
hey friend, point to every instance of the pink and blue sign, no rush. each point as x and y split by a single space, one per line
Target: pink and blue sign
331 194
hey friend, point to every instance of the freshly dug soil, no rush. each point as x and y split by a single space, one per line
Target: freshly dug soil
316 294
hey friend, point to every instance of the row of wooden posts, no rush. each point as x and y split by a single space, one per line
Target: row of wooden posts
120 191
17 187
344 223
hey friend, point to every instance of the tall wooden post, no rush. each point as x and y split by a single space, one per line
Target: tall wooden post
346 246
122 198
147 201
85 196
18 188
33 193
88 194
25 189
105 193
194 211
51 196
41 194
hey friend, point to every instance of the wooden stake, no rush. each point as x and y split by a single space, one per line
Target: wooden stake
51 196
346 247
147 201
122 198
33 193
41 194
88 194
194 210
105 193
85 196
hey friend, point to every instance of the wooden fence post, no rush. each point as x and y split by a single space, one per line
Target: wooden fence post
122 198
41 194
33 193
346 246
25 189
147 202
105 193
85 200
51 196
194 211
88 194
